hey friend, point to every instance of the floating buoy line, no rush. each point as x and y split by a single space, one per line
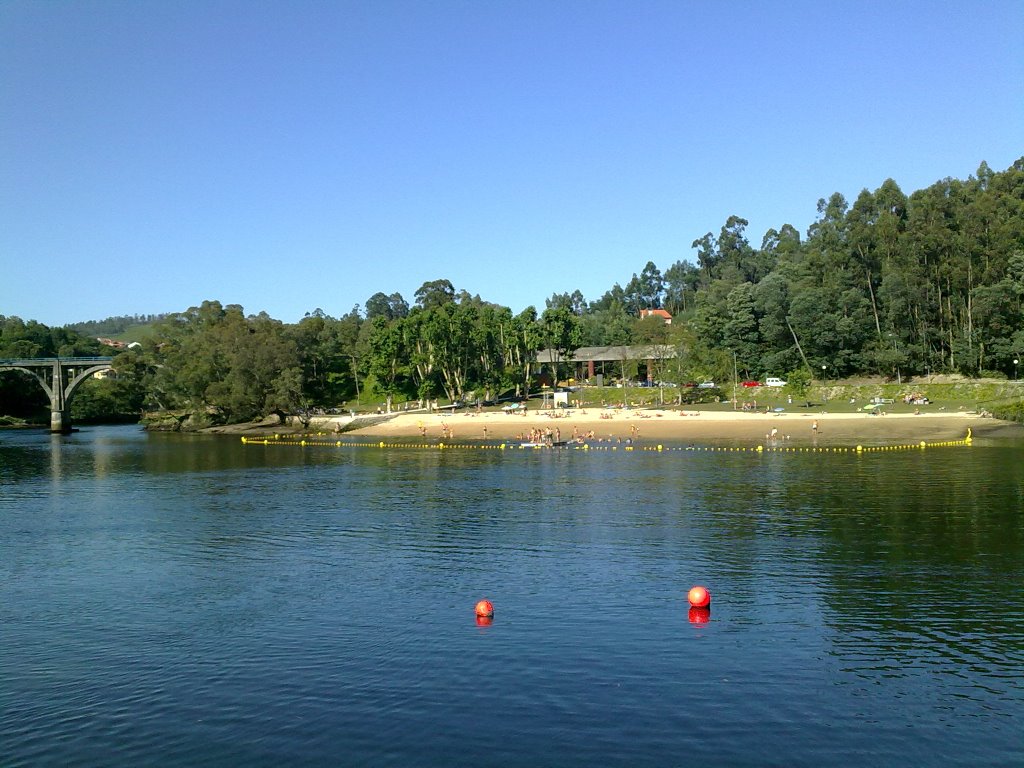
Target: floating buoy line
324 440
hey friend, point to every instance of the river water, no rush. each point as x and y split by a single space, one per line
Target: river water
177 601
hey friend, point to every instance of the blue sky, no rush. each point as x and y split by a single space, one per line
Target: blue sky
287 156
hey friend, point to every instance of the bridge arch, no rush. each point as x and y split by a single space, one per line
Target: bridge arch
59 378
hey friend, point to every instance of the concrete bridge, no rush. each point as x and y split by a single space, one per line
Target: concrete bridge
60 377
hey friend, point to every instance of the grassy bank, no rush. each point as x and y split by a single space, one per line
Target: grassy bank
13 422
943 393
1010 410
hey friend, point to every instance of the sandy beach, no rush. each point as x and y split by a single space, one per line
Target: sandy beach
691 425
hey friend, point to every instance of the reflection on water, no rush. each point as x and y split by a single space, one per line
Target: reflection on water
179 600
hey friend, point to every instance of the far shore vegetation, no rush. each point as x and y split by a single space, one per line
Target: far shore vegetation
889 296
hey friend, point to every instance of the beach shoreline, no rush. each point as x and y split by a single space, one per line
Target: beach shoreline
669 425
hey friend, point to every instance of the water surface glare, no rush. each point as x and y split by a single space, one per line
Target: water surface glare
174 601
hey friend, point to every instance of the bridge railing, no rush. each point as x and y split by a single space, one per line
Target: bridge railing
69 361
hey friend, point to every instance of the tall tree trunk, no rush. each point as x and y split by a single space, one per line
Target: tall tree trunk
355 374
970 307
952 355
874 306
799 348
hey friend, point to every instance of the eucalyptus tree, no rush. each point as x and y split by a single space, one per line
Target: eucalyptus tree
739 262
927 293
652 286
382 305
681 281
440 344
712 313
352 346
633 296
521 349
560 334
708 259
421 355
875 224
771 303
613 295
387 358
831 327
644 291
448 329
740 332
491 337
999 317
781 243
574 302
322 359
434 293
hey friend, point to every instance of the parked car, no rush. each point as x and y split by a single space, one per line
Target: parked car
751 384
772 381
706 385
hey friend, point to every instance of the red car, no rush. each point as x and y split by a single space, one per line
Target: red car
751 383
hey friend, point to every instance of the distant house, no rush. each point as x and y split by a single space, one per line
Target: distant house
662 313
119 344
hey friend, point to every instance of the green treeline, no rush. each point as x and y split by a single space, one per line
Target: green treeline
112 326
888 285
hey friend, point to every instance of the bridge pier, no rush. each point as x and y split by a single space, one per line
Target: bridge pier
60 422
60 419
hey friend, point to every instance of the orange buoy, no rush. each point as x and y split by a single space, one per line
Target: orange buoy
485 608
484 621
699 597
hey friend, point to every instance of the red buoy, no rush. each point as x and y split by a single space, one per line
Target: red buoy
484 621
699 597
485 608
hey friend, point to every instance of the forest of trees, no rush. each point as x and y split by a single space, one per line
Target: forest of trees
888 285
112 326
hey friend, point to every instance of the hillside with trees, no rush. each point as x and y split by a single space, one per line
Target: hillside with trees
889 285
113 327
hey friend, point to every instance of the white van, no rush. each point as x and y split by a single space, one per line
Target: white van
771 381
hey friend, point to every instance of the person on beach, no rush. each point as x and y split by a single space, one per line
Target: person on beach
814 427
